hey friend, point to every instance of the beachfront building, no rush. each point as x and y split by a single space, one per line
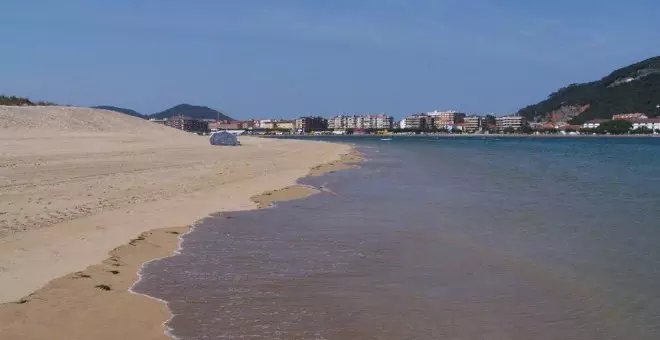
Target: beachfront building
284 124
474 123
443 119
379 121
267 124
367 121
418 121
216 125
308 124
274 124
510 122
649 123
630 116
341 122
593 124
262 123
187 124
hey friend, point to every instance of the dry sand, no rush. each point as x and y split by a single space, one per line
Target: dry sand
76 184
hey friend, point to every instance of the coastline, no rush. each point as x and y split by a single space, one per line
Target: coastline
298 191
98 300
467 135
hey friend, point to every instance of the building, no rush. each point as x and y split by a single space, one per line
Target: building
231 125
649 123
187 124
381 121
267 124
442 119
510 122
284 124
363 122
630 116
158 121
418 121
474 123
309 124
593 124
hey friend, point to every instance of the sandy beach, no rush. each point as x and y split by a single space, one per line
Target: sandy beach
87 196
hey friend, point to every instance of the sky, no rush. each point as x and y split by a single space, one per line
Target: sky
286 58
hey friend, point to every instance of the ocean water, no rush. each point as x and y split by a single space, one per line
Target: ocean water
436 238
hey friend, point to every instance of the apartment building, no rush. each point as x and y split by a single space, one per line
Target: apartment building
474 123
187 124
231 124
308 124
510 122
369 121
442 119
649 123
593 124
285 124
377 121
419 121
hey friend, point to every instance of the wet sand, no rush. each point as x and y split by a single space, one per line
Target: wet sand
268 198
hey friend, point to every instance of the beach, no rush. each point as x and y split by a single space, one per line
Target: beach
87 196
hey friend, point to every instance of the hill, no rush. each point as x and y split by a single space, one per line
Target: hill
192 111
634 88
121 110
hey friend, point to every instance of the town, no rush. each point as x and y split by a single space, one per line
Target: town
434 122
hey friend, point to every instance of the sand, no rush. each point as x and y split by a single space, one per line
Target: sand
77 184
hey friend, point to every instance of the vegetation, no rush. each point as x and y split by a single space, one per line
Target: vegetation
192 111
21 101
615 127
635 88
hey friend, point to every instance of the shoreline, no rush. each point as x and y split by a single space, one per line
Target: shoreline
459 135
298 191
101 296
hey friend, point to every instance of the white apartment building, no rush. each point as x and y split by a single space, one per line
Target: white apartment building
474 123
650 123
368 121
446 117
593 124
514 122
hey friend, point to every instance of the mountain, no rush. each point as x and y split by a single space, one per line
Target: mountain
120 109
192 111
634 88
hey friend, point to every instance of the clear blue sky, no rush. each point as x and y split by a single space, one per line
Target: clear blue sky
285 58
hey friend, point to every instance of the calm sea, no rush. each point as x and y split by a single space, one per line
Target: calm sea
436 238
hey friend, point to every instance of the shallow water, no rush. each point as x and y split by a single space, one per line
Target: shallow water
436 238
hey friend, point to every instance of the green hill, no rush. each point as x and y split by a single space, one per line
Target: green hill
192 111
120 109
635 88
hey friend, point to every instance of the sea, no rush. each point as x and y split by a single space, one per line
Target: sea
436 238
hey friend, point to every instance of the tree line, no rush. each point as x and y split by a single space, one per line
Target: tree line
21 101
